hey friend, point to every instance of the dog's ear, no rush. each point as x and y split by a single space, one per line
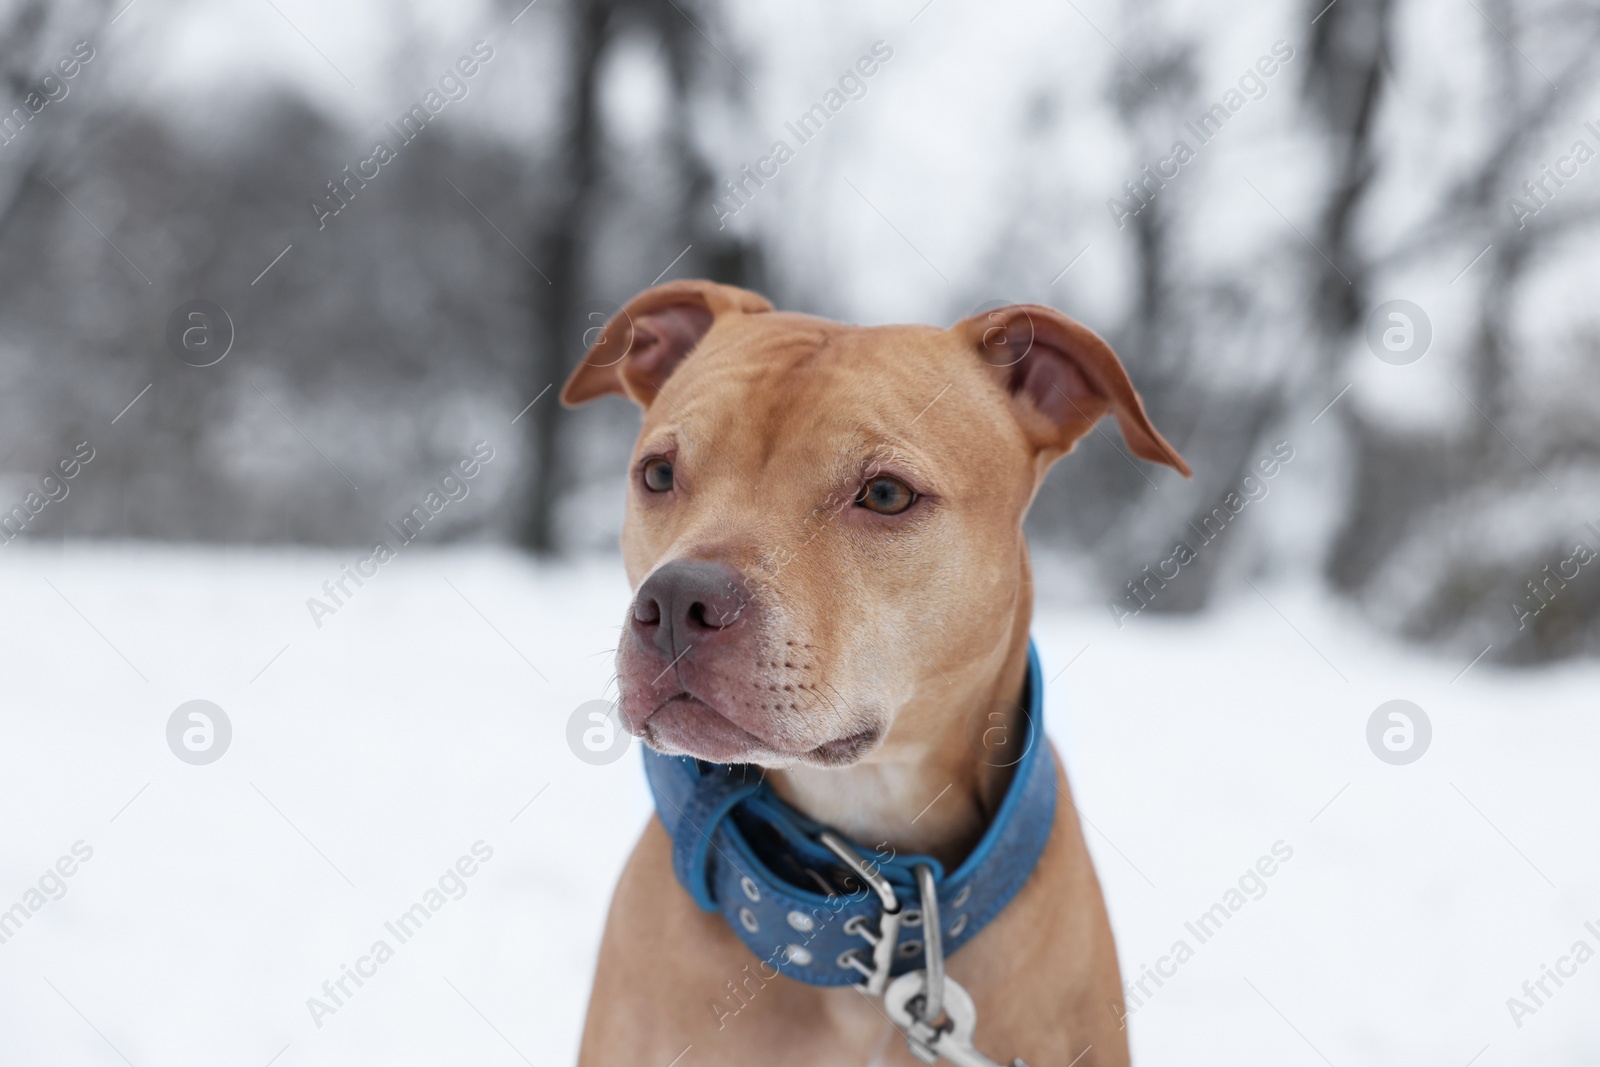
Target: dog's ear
1062 378
638 349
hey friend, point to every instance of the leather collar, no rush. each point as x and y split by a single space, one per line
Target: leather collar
743 852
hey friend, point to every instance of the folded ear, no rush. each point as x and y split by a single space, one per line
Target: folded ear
636 352
1062 379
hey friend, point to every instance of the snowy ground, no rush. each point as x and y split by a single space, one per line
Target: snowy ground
430 711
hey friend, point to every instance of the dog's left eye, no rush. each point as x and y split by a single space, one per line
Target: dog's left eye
657 475
886 496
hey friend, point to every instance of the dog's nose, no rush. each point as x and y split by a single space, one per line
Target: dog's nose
687 603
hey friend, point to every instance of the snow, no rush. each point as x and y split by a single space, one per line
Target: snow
429 712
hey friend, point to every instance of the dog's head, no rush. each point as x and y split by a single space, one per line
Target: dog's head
824 521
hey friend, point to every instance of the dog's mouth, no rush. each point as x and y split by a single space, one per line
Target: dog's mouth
684 725
845 750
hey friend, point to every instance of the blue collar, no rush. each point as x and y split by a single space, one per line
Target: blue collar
741 851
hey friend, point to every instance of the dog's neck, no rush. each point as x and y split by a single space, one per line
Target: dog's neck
935 794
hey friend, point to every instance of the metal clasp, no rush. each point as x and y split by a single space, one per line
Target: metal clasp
935 1013
888 936
951 1038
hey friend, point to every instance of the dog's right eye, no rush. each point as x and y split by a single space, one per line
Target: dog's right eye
657 475
886 496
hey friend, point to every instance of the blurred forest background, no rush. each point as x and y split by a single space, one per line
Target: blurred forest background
1419 150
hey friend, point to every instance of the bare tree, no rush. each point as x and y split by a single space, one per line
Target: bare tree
1407 486
34 35
585 188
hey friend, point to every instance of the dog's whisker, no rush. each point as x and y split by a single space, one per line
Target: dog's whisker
842 708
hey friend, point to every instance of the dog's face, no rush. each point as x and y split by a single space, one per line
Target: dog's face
824 521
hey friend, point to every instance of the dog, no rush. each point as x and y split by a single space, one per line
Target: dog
832 593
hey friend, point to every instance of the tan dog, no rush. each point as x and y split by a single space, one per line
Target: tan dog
863 490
